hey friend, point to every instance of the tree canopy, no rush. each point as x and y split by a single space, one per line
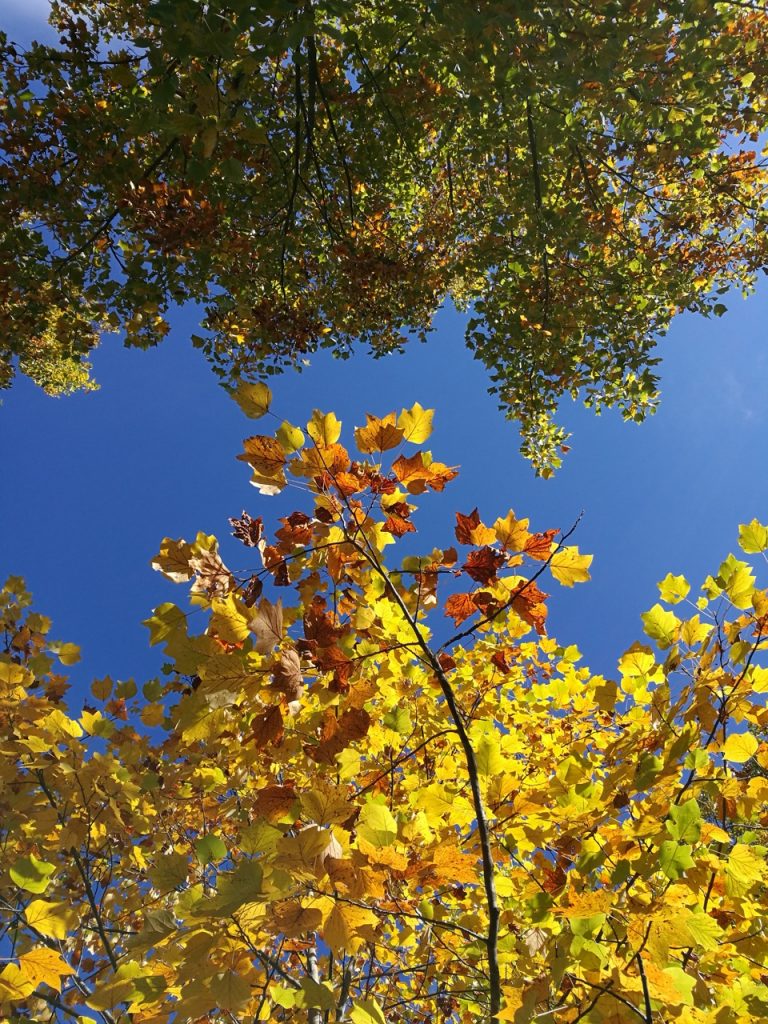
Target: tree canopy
327 173
373 789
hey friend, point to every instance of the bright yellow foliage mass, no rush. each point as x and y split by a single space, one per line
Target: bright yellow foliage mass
378 791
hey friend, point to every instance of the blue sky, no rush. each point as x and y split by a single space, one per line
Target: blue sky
95 481
98 479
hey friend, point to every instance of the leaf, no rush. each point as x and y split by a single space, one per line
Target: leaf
267 727
367 1011
173 560
569 567
512 533
267 625
254 399
378 435
53 920
416 423
291 438
210 849
685 823
44 966
376 824
32 874
459 607
674 589
753 538
326 803
291 918
469 529
740 747
674 858
348 927
661 625
324 428
744 869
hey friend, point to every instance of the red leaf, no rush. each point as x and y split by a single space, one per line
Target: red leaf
482 565
459 607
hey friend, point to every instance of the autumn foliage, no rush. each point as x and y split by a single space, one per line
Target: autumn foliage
372 787
327 174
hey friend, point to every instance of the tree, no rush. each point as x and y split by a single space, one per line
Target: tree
313 175
334 806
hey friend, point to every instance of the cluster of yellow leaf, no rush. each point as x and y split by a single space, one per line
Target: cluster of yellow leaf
298 819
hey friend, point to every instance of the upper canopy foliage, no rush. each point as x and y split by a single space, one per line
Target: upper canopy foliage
317 173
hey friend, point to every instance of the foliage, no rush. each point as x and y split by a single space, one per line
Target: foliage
316 174
337 805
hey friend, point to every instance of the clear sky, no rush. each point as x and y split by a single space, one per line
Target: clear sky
98 479
93 482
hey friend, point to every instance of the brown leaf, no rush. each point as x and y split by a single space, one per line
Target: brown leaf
459 607
267 728
267 625
212 577
248 530
338 733
482 565
539 545
287 675
378 435
417 473
273 802
469 529
264 454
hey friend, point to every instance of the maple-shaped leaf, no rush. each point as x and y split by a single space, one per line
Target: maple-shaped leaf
173 560
274 802
249 530
267 728
291 918
569 567
338 733
469 529
753 537
324 428
267 458
287 675
44 966
539 546
459 607
378 435
482 565
511 532
416 423
418 472
267 625
348 927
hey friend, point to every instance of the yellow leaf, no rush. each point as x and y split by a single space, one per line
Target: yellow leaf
661 625
253 399
53 920
739 747
416 423
512 533
291 438
14 984
44 965
569 567
324 428
348 927
674 588
378 435
753 537
227 621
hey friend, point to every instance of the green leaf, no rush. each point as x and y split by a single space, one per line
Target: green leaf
210 849
685 823
674 859
32 874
